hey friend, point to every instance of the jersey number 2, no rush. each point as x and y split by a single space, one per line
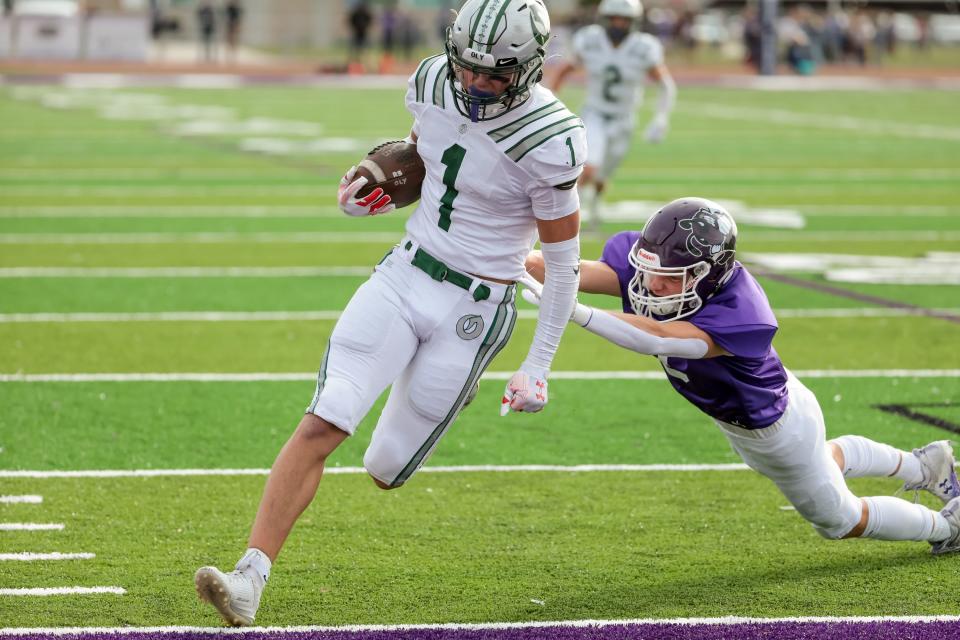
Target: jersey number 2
452 159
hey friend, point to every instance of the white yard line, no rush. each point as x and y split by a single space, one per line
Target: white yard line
21 499
335 237
293 237
58 591
834 121
184 272
303 316
376 237
476 626
187 211
519 468
33 557
30 526
490 375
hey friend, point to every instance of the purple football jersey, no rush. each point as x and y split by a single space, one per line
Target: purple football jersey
748 388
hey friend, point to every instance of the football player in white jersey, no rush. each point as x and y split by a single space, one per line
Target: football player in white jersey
502 158
618 61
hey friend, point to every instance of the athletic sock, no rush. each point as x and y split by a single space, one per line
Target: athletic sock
864 457
256 564
891 518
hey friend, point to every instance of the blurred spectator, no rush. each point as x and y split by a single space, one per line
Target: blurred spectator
859 36
207 23
360 20
683 32
233 13
408 34
835 35
751 36
885 40
7 7
389 20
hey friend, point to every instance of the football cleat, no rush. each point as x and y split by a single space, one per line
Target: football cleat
952 544
234 594
939 474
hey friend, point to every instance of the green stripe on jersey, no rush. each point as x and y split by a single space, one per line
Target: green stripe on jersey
422 73
440 86
537 138
508 130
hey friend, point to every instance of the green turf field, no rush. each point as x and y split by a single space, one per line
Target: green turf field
111 216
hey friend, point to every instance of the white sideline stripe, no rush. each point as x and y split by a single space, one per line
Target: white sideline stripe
21 499
349 471
825 121
33 557
490 375
374 237
183 272
29 526
308 237
194 211
297 316
475 626
58 591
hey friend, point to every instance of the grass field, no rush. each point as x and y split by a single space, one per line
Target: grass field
141 233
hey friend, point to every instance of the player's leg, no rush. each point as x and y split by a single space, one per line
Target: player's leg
426 399
369 347
794 454
591 179
930 468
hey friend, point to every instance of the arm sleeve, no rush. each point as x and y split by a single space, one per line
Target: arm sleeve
626 335
562 261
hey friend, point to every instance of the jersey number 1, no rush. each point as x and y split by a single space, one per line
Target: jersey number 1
452 159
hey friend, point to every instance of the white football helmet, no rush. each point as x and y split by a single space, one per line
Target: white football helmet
499 38
630 9
623 8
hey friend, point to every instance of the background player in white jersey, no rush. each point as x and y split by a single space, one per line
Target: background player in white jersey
502 157
618 61
688 301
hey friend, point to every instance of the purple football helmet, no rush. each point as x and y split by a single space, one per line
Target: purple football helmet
692 239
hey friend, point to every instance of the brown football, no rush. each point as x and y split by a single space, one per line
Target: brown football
395 167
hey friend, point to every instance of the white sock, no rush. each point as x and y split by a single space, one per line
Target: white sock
891 518
864 457
256 564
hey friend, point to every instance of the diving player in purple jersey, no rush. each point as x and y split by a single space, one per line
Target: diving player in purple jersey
687 301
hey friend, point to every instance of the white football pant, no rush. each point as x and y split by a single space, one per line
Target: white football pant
429 339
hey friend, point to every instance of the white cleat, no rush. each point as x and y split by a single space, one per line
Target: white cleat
939 475
952 544
233 594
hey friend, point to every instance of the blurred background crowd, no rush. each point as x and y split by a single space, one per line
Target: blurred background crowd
361 36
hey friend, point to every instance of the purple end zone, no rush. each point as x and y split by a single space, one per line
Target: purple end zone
892 630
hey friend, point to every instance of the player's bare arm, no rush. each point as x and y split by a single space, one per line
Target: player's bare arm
595 276
562 74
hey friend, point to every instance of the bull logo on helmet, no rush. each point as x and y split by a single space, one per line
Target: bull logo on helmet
708 233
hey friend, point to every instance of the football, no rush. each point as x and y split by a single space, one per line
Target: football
395 167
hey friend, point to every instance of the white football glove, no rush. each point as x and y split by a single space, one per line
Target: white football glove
657 129
525 392
374 203
534 290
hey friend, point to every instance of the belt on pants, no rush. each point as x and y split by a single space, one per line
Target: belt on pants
442 273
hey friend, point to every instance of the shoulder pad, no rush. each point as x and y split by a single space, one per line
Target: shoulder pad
521 136
428 83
